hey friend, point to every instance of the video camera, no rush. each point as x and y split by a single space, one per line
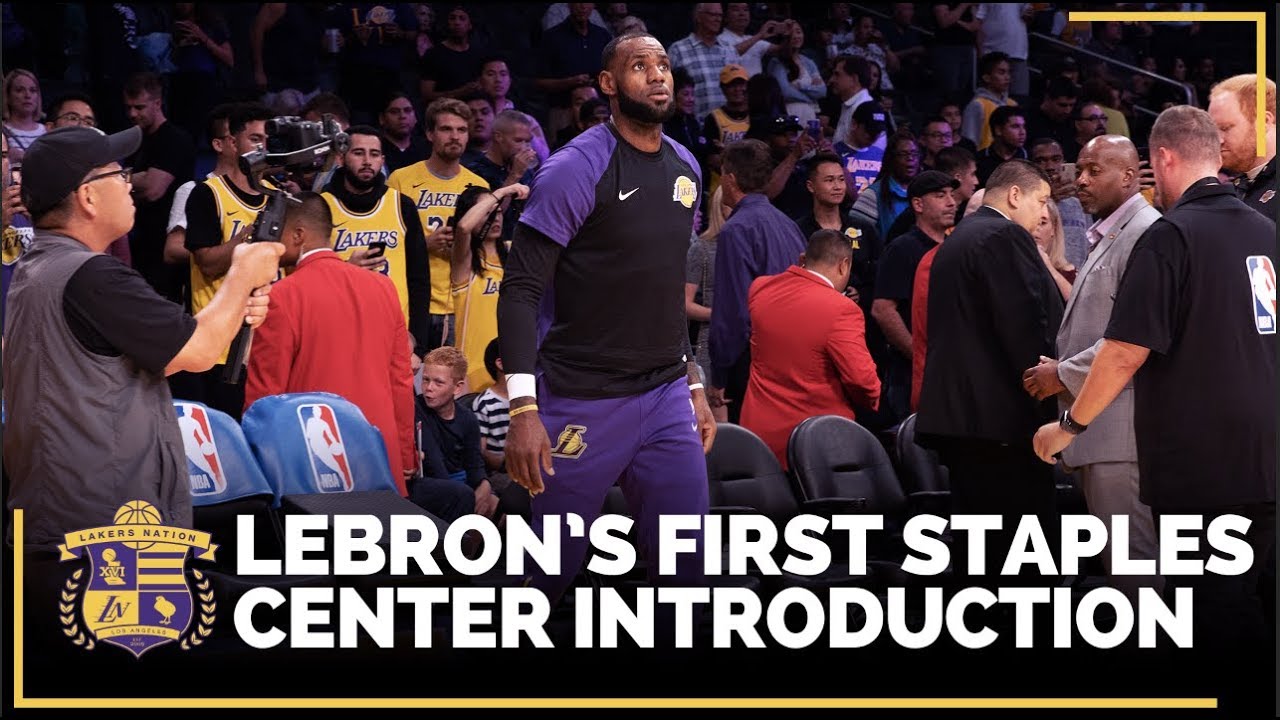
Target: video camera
293 145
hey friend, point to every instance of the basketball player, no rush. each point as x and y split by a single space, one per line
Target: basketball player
608 224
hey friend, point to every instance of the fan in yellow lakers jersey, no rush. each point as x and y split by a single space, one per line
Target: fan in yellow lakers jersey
433 186
476 274
376 227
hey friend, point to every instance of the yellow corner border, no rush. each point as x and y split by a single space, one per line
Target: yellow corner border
20 701
1259 19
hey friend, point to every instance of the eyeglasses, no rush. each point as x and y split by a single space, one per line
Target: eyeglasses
125 174
74 117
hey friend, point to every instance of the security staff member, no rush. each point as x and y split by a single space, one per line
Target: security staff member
1233 105
1194 324
365 211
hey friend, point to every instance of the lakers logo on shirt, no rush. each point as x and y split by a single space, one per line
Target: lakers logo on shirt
16 241
685 192
853 234
570 444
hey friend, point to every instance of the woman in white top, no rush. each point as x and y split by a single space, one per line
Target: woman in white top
23 112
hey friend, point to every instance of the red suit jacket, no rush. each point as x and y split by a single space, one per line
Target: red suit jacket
808 356
334 327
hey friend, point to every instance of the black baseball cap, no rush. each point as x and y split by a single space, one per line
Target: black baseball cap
931 181
58 161
871 116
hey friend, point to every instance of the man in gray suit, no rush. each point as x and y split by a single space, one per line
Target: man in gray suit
1108 188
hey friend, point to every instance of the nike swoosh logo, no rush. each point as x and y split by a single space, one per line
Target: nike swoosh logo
230 213
415 187
624 196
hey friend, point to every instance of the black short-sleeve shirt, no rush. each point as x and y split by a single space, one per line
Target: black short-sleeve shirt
896 274
112 311
1203 300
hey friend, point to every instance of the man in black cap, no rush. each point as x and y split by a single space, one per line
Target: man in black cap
91 424
933 202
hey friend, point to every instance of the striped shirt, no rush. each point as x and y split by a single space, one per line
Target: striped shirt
491 412
704 62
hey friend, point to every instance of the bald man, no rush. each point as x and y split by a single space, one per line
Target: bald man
1233 105
1108 188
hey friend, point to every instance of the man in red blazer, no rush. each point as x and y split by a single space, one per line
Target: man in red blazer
336 328
808 345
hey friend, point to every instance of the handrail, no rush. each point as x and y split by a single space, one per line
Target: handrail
1185 87
923 31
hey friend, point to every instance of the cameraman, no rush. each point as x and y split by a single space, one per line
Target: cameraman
91 420
220 213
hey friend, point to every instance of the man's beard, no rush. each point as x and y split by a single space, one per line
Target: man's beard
362 185
642 112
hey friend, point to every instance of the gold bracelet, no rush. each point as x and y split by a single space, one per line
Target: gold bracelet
522 409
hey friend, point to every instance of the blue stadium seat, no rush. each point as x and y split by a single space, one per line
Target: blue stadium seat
322 457
316 443
225 480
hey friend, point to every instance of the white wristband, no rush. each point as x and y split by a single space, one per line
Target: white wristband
521 385
695 386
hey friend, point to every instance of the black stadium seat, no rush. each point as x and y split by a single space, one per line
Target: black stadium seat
745 477
921 473
839 462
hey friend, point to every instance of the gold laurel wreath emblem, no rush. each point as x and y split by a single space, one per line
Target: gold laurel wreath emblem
204 625
67 613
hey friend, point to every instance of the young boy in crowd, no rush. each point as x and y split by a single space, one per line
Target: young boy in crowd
491 409
450 432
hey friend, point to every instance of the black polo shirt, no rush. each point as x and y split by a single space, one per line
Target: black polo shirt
1261 193
1204 302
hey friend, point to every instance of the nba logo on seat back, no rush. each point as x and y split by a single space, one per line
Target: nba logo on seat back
329 466
204 466
1262 278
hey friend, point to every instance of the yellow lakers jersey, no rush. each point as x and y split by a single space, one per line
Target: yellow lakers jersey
353 230
435 198
731 131
476 317
234 215
988 106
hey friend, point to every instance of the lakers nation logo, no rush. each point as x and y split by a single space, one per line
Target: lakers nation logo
685 192
136 594
570 444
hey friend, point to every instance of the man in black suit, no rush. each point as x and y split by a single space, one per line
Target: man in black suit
992 308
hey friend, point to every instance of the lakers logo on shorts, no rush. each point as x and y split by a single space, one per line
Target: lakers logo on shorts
570 444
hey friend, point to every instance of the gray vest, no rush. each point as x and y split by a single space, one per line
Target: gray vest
84 434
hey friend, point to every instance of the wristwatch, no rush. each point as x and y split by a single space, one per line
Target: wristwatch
1069 424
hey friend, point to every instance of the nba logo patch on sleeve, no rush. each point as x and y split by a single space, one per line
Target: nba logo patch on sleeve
1262 278
204 466
329 465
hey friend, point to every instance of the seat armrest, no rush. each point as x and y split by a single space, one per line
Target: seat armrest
827 507
929 502
732 510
